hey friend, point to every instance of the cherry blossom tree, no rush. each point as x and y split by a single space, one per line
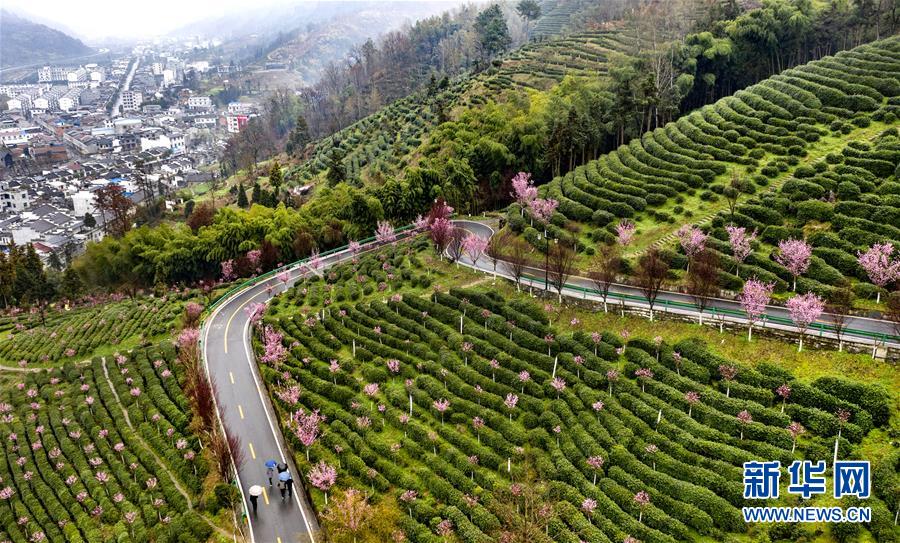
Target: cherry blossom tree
744 418
625 232
692 398
474 246
408 497
350 514
440 231
741 244
804 310
273 348
596 464
385 233
558 385
255 312
642 499
588 506
880 267
784 391
253 257
323 477
611 377
794 254
643 375
441 406
692 240
728 373
796 430
754 298
542 210
510 403
307 427
523 190
228 271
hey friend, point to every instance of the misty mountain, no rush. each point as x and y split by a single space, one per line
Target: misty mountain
26 42
270 20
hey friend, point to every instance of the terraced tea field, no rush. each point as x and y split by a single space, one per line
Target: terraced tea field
463 403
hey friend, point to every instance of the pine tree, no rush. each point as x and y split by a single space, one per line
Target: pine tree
493 34
276 178
336 170
71 286
89 220
242 196
299 137
257 194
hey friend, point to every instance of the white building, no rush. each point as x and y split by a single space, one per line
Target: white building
131 100
83 202
199 102
14 196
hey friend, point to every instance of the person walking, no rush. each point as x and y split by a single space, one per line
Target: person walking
270 470
254 493
281 488
289 483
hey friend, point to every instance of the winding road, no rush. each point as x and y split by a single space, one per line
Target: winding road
244 406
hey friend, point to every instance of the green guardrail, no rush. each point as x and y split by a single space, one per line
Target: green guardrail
820 327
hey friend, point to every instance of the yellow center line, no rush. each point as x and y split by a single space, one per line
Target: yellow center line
231 376
252 452
241 411
265 496
233 315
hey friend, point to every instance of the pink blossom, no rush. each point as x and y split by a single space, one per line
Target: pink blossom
804 310
307 427
523 189
371 389
794 254
625 232
228 271
474 246
274 351
558 384
322 476
879 266
542 209
385 232
588 505
740 242
692 240
754 298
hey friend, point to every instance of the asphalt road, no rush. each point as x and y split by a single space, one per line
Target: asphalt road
244 407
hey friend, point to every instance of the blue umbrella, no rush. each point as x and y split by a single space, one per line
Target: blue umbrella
284 476
271 464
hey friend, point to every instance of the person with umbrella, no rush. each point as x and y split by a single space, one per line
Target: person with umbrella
270 470
254 492
285 479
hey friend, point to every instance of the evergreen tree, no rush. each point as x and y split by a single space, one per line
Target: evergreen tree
257 194
299 137
89 220
493 34
54 262
242 201
336 170
71 286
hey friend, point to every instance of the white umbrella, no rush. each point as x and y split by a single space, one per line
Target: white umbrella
256 490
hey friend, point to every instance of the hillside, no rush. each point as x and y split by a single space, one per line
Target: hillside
25 42
817 146
386 141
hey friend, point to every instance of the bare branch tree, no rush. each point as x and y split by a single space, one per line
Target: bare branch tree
561 265
455 246
651 275
606 267
516 258
703 279
838 308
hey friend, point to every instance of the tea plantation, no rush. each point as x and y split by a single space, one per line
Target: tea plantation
461 403
815 146
81 332
100 452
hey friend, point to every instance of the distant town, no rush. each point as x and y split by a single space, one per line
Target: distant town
67 131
